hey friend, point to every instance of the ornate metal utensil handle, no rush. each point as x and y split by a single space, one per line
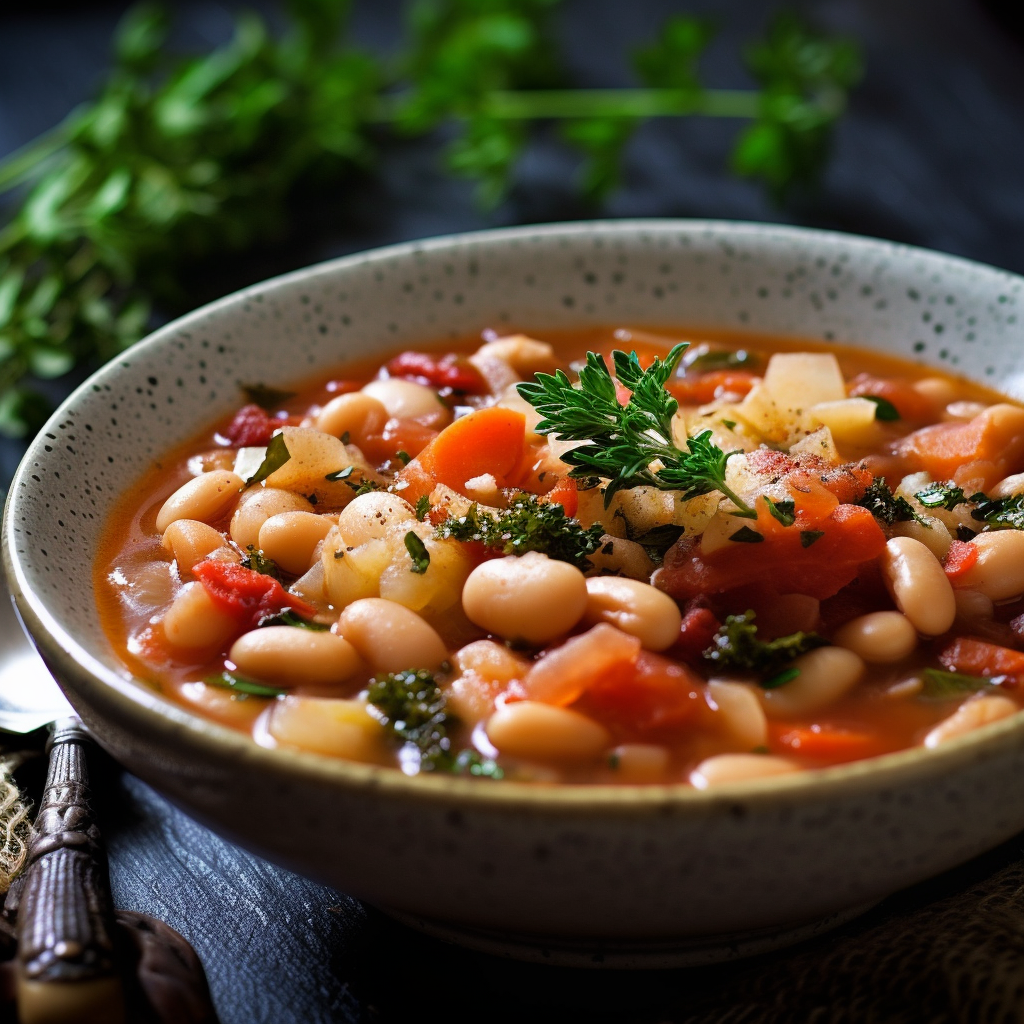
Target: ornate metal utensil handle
67 968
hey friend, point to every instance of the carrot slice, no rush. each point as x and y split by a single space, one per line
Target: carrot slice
832 743
959 559
486 441
705 388
566 494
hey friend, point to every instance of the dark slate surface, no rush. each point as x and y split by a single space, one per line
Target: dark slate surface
932 153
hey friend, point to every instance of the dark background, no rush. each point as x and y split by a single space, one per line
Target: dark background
931 152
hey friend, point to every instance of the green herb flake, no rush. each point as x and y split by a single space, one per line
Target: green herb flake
944 496
885 506
277 455
267 398
723 359
1000 513
729 424
737 646
941 685
784 511
422 507
340 474
808 537
290 618
745 535
258 562
623 442
417 552
884 409
787 675
243 686
528 524
403 457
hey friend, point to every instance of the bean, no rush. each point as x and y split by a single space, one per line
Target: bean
337 728
290 539
931 531
523 354
203 497
356 414
1008 486
879 637
390 637
485 669
194 621
190 541
531 730
640 762
972 714
256 506
371 516
972 606
999 571
528 597
744 717
295 657
405 399
722 769
825 675
918 585
937 389
616 554
634 607
962 410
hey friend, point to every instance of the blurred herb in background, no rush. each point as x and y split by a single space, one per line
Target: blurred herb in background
184 158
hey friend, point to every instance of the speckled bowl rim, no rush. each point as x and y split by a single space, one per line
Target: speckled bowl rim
155 715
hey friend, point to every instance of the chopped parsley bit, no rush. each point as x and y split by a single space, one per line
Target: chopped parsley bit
783 511
1000 513
965 533
340 474
622 442
890 508
729 424
267 398
417 552
657 541
940 685
413 709
259 562
808 537
366 486
787 675
277 455
289 618
760 749
311 498
745 535
403 457
243 687
422 507
941 496
346 438
528 524
736 645
614 760
884 409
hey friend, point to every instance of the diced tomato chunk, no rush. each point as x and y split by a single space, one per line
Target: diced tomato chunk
657 697
252 427
695 634
399 435
450 371
830 744
979 658
908 401
247 595
959 559
565 493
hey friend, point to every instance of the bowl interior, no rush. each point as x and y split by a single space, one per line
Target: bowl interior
747 278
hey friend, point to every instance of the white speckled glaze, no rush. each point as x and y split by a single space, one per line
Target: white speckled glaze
589 868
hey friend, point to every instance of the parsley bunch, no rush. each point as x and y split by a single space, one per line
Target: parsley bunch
181 160
736 645
630 445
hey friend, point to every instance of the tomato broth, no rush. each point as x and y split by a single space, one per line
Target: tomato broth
752 557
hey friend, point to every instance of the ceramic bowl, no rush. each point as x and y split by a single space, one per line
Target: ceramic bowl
619 876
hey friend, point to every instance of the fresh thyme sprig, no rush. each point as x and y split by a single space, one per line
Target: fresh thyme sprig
181 160
630 445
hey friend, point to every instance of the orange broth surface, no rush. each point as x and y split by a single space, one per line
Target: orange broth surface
651 714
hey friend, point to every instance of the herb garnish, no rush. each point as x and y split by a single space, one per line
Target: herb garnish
722 359
417 552
942 496
528 524
413 709
289 617
267 398
340 474
808 537
941 685
884 409
1001 513
784 511
890 508
277 455
422 507
242 686
745 535
736 645
258 562
631 445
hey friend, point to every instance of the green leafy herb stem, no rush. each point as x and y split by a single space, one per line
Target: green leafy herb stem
737 646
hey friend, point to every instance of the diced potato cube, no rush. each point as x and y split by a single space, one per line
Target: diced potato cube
338 728
313 456
798 380
352 573
820 444
430 592
851 420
